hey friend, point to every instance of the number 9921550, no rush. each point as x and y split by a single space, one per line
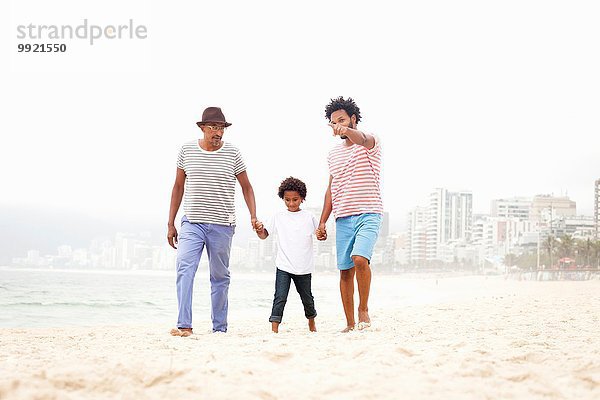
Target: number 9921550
41 48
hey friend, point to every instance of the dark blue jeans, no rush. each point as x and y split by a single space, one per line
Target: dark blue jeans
283 280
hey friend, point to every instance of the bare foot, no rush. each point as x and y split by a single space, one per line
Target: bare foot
275 327
363 316
183 332
348 329
363 325
311 325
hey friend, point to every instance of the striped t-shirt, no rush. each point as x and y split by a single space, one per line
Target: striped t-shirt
210 182
355 187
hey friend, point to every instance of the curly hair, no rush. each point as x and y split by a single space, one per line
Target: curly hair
292 184
341 104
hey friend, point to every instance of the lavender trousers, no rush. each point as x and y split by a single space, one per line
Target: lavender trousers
192 240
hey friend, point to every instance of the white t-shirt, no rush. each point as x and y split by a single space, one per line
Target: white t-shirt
295 231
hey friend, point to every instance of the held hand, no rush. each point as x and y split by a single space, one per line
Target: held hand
253 221
172 237
260 228
321 235
321 232
339 130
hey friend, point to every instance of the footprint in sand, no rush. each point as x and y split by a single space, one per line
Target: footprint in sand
360 353
166 377
278 357
481 372
526 358
266 395
405 352
590 382
520 377
519 343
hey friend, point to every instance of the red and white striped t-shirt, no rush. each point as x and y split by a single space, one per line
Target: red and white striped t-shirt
355 187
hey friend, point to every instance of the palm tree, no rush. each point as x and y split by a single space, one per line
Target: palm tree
566 245
550 244
527 259
509 261
585 250
596 252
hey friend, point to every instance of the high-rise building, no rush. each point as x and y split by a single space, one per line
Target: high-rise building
495 236
515 207
253 253
417 236
385 225
483 235
546 207
579 227
450 218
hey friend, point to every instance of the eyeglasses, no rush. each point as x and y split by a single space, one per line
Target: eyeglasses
215 127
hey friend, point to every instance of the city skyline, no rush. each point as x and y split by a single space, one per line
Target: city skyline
426 236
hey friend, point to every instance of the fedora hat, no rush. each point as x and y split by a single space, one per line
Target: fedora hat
213 115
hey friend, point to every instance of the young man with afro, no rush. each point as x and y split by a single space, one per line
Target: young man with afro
354 197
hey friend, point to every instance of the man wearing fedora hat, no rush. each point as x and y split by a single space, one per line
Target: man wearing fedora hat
207 170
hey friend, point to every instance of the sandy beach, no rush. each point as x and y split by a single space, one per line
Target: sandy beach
508 339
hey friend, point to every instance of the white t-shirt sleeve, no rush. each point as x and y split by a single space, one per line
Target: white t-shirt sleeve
315 223
270 224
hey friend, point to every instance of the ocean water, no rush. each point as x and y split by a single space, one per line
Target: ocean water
49 298
46 298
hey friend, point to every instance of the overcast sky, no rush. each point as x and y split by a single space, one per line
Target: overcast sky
500 98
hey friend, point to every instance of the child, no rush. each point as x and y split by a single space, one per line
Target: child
294 261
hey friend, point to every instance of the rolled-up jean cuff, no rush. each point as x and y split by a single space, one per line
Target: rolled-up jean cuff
311 317
275 318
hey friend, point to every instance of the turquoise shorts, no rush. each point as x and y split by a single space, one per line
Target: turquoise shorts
356 236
